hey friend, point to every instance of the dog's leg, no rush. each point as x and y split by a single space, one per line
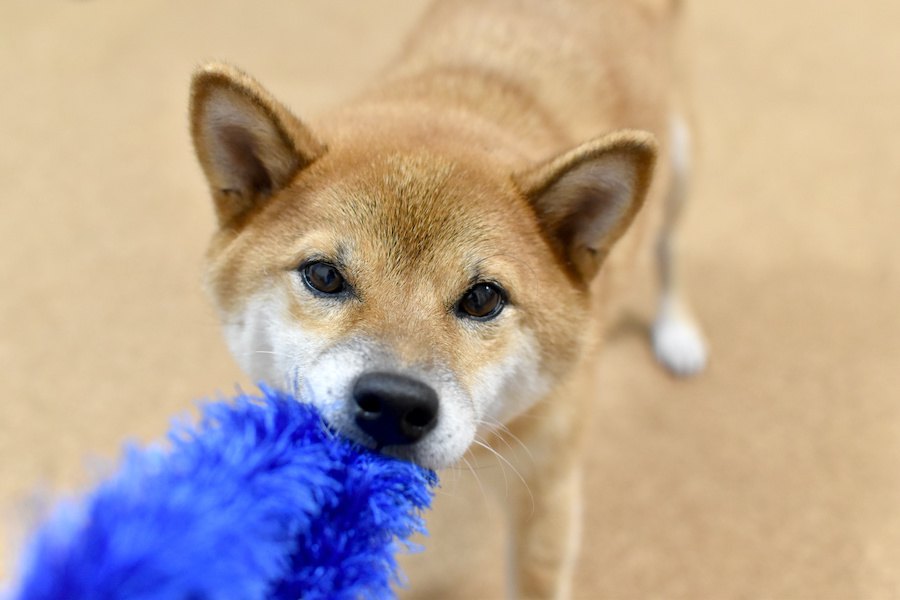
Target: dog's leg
546 448
677 340
545 538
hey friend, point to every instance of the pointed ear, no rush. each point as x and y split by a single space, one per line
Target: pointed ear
249 145
586 198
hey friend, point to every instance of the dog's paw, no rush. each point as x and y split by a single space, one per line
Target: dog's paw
678 344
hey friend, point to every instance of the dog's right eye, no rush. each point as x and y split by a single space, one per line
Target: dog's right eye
482 302
323 278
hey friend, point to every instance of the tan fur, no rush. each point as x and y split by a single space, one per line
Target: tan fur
481 153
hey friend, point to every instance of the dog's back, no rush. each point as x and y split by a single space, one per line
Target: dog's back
586 66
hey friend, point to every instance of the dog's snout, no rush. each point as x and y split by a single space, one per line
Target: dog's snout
394 409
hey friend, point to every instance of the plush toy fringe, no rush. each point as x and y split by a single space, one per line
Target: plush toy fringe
258 500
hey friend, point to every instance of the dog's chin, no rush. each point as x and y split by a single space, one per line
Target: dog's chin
424 456
427 453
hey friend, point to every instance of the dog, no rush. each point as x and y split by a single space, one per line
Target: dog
435 259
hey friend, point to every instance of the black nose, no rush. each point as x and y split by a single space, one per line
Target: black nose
394 409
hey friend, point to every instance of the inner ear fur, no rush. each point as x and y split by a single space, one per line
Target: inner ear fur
248 144
587 197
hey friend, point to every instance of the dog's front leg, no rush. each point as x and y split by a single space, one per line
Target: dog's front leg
545 536
545 512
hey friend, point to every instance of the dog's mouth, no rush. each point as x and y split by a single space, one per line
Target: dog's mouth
422 453
436 450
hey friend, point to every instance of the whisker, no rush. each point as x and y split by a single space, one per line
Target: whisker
475 468
499 429
253 352
499 436
502 468
477 479
514 470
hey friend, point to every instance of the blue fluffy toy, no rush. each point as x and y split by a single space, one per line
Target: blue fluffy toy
258 500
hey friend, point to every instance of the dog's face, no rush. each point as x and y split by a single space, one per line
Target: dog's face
414 293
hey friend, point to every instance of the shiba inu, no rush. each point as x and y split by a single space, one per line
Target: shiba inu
433 259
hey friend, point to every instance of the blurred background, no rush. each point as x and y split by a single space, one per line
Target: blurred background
774 475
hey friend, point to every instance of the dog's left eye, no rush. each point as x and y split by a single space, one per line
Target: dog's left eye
323 277
482 301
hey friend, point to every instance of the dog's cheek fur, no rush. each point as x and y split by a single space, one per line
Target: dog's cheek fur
268 344
328 383
504 389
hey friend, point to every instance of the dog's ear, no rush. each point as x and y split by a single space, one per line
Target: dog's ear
249 145
586 198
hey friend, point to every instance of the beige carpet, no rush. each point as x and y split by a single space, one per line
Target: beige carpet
775 475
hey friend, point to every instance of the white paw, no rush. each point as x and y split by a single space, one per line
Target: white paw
678 344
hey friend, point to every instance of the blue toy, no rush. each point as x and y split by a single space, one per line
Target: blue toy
258 500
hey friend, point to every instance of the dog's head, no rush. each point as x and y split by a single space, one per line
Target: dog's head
398 277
